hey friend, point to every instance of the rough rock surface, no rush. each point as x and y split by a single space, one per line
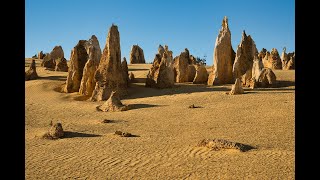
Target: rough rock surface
137 55
124 66
55 132
40 55
246 52
79 58
211 77
61 65
256 68
223 56
31 74
201 76
236 88
180 66
161 73
191 72
262 53
267 78
49 61
219 144
192 60
272 60
109 75
287 60
94 54
113 104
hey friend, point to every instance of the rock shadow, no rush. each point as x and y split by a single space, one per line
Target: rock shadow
70 134
141 106
140 91
56 78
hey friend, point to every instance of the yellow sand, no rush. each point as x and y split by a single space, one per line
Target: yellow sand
168 132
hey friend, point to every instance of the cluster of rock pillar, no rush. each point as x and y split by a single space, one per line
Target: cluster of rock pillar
97 74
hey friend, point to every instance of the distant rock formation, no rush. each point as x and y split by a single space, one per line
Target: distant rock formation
287 60
201 76
246 52
161 74
224 56
31 74
262 53
109 75
40 55
236 88
272 60
49 60
113 104
125 71
79 58
136 55
184 69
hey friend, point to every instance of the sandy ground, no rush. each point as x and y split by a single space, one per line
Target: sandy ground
167 132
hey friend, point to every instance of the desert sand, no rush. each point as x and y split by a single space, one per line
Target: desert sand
166 131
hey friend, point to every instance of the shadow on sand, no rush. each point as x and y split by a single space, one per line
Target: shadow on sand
69 134
56 78
140 106
140 91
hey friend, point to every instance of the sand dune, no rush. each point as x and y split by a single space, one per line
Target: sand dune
167 131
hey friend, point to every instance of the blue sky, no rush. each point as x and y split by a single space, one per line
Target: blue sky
192 24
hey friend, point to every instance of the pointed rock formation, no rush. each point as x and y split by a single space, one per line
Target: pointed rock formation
78 59
113 104
236 88
201 76
272 60
136 55
161 73
287 60
246 52
40 55
262 53
88 82
223 56
56 131
109 75
124 67
31 74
